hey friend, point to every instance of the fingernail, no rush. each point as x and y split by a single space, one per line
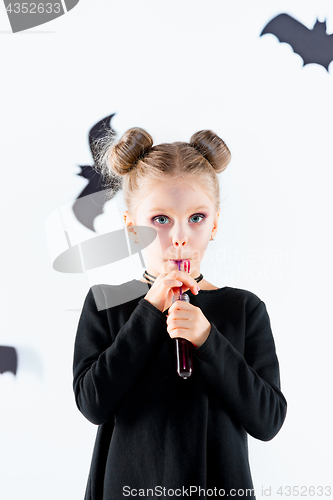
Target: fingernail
198 287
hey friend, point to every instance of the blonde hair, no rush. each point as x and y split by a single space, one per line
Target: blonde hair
134 164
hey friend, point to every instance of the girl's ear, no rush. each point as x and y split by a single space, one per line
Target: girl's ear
216 220
127 220
128 223
216 223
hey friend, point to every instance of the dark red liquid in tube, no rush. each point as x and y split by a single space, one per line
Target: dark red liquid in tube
184 353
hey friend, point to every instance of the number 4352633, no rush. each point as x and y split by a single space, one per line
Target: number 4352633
304 491
33 8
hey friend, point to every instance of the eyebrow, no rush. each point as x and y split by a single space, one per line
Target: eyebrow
171 210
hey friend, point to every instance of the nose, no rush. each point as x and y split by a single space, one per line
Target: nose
179 239
180 243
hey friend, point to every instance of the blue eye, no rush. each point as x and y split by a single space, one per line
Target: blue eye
160 217
198 215
165 217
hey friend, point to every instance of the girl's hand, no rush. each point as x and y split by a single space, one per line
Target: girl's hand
188 321
166 285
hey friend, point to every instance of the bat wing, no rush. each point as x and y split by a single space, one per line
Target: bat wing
314 46
289 30
90 202
8 359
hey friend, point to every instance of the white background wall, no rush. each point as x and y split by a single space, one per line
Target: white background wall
173 68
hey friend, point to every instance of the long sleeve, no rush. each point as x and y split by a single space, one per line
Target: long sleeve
105 370
249 384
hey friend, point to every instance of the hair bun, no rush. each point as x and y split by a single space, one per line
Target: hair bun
213 148
134 144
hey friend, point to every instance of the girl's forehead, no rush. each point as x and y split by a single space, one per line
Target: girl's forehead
179 191
175 198
167 188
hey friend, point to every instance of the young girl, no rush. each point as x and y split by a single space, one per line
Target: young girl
161 435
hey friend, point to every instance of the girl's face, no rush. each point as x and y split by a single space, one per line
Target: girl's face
184 218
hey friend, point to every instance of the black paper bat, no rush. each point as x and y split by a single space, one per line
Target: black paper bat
313 45
87 209
8 359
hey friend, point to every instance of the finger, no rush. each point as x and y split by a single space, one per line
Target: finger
181 305
176 283
185 278
189 282
179 332
178 323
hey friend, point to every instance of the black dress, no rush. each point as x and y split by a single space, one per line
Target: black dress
157 431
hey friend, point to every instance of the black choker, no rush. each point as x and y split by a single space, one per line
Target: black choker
147 276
